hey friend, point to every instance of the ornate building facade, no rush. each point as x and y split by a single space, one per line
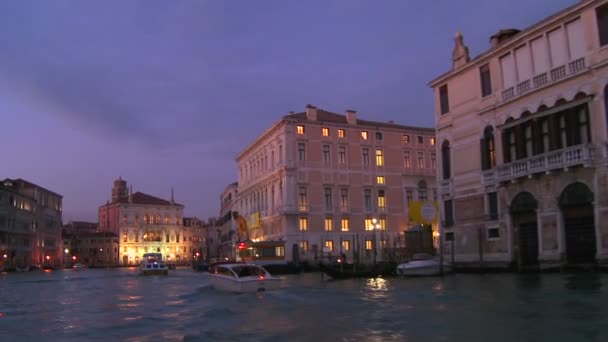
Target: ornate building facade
144 223
330 184
522 131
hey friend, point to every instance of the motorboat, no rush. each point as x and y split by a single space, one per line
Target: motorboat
242 278
79 267
423 265
153 264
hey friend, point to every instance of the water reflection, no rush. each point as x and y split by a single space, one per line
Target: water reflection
376 288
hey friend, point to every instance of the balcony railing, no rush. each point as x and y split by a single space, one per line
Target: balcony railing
567 157
573 67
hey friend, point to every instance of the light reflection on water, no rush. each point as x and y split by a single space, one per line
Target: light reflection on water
105 304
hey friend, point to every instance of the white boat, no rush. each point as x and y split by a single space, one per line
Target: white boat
241 277
79 267
153 264
423 265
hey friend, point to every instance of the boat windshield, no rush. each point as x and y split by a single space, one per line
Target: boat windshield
248 271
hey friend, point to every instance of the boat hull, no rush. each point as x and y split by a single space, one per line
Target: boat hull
244 285
425 268
154 272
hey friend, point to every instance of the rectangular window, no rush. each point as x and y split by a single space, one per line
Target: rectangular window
492 206
420 140
176 237
583 125
528 139
369 245
303 223
449 236
302 199
344 199
125 220
325 131
124 238
365 156
364 135
368 224
409 196
326 154
443 99
300 129
381 200
486 81
304 246
378 135
563 131
341 133
406 160
421 160
302 151
544 136
328 205
406 139
380 179
367 199
346 245
342 154
167 238
448 214
379 158
329 224
146 219
433 161
602 23
329 244
422 194
432 141
512 146
493 233
344 224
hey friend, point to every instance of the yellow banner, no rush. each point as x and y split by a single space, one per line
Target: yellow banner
423 212
254 221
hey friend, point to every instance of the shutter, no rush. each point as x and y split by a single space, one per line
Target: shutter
505 145
484 154
573 130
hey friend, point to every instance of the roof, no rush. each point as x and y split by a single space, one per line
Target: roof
26 184
326 116
144 199
502 45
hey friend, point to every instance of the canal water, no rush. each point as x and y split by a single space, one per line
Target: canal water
119 305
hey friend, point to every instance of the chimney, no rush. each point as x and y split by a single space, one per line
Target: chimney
311 112
460 54
351 116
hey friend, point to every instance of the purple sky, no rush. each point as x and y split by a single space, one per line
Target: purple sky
166 93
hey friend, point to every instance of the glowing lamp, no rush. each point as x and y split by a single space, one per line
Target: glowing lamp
48 257
242 245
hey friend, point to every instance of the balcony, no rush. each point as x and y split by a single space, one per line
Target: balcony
541 80
446 186
542 163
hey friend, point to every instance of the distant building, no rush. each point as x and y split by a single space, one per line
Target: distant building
80 227
326 184
522 130
225 230
145 223
30 224
90 248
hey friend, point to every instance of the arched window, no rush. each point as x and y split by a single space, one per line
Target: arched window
445 160
488 149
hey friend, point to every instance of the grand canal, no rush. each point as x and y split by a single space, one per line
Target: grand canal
117 304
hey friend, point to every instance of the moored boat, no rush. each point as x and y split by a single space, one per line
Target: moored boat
153 264
79 267
347 271
423 265
242 278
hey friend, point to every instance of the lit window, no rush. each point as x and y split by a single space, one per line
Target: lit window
406 139
380 179
303 199
382 224
364 135
304 246
341 133
329 224
369 224
379 158
300 129
344 224
381 199
325 131
329 244
406 160
369 245
303 223
432 141
346 245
